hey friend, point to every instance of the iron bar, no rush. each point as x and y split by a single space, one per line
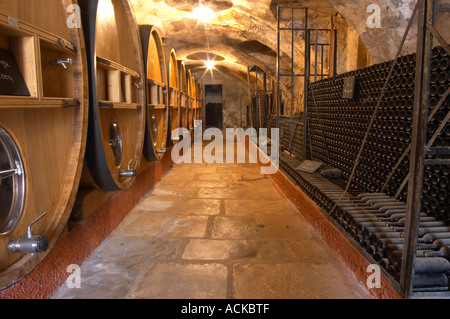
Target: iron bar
250 117
278 66
305 96
292 81
420 114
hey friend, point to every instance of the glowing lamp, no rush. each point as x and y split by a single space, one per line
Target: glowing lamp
203 14
209 65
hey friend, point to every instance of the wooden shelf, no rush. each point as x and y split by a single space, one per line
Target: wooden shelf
21 28
157 106
157 83
57 81
116 85
119 105
111 65
30 102
156 93
34 49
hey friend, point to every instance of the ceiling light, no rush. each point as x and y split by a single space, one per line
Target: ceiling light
209 64
203 14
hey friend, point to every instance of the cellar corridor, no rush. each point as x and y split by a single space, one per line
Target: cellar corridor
349 101
214 231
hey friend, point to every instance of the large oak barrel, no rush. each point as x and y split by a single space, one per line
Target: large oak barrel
194 101
156 84
117 117
43 128
190 100
174 96
184 112
199 102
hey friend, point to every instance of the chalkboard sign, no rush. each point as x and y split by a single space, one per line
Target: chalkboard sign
349 88
309 166
11 79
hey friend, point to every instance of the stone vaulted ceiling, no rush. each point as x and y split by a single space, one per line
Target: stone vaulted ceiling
244 32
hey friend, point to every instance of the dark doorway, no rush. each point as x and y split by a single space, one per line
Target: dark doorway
213 96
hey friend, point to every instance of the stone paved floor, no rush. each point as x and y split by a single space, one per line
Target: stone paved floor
214 231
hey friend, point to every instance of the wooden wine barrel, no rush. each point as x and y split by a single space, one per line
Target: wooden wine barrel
174 96
156 83
43 128
199 102
194 101
184 112
190 125
117 117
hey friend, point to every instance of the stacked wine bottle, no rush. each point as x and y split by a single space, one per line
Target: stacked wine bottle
374 212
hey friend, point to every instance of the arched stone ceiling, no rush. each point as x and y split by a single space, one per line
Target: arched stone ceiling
223 36
244 32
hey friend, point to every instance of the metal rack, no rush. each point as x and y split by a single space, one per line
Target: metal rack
386 99
422 152
298 27
400 97
258 92
319 59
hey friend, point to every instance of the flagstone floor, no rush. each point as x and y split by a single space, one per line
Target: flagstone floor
214 231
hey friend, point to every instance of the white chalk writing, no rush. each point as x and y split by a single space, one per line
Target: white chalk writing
6 77
5 64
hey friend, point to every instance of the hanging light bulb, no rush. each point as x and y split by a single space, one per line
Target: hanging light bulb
203 14
209 64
